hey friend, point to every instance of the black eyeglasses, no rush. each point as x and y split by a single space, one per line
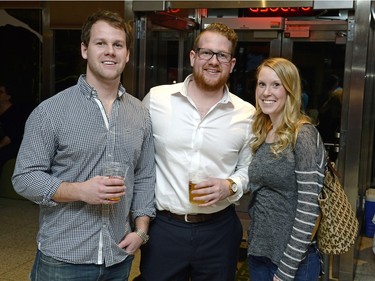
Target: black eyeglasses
207 54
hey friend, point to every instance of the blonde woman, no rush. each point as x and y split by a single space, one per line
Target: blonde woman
285 178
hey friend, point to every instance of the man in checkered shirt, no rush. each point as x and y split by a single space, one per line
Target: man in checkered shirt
85 232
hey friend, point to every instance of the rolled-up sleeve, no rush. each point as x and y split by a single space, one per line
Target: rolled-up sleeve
32 178
144 177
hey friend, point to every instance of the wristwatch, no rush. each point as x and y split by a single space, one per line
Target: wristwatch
143 236
232 187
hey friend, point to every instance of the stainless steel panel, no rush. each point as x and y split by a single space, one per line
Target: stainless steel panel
142 54
129 75
145 5
239 4
350 162
370 105
326 4
317 24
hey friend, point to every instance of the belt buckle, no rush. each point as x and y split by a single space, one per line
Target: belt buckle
186 218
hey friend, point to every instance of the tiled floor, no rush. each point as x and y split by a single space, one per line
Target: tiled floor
19 224
366 261
18 228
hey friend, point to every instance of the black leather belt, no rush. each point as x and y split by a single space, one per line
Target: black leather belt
194 218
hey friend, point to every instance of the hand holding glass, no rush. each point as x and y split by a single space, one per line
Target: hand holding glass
195 178
115 170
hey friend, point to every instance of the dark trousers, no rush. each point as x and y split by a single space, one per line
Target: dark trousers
181 251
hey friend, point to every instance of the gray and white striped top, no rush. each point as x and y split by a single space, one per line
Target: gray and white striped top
284 201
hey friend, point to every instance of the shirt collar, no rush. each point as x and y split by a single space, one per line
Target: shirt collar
90 92
225 99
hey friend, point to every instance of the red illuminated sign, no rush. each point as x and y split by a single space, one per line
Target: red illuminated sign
283 11
261 12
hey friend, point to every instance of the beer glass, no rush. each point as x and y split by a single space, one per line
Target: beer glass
196 177
113 169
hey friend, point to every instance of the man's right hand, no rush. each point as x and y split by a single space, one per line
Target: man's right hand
97 190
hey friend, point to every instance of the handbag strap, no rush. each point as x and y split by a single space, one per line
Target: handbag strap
331 169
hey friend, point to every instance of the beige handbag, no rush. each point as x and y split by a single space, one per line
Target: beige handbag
338 227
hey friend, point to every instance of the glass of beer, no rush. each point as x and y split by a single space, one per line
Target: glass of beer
117 170
196 177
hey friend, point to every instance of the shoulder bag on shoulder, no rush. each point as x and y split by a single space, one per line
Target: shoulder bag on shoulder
337 229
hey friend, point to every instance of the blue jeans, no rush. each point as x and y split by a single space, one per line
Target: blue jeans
261 268
48 269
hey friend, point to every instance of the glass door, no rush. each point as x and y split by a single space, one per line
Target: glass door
164 42
318 48
249 54
321 66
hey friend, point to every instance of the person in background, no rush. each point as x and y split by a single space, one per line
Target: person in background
330 111
330 115
12 122
285 177
305 94
198 125
86 233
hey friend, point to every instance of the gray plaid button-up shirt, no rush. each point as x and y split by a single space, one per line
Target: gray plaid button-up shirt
67 140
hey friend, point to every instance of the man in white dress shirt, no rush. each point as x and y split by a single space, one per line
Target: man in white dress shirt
198 125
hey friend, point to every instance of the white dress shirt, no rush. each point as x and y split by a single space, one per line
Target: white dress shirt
217 144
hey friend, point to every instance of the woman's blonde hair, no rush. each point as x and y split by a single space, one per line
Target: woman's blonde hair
293 117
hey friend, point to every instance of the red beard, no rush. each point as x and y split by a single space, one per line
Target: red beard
210 86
